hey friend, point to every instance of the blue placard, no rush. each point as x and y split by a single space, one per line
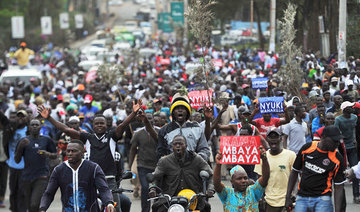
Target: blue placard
260 83
271 104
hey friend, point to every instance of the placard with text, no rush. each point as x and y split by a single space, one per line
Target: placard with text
240 149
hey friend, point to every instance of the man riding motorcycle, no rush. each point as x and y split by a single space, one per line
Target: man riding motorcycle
180 170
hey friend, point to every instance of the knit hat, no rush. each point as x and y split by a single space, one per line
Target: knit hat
180 100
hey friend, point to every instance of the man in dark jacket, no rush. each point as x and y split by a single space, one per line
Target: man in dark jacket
195 138
78 180
181 170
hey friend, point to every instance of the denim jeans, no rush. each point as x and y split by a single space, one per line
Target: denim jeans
313 204
142 172
352 158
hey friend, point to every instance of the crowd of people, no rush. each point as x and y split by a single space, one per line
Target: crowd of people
64 131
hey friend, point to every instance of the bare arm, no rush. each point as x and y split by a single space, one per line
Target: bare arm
218 185
148 126
120 128
133 151
20 149
251 117
287 117
45 113
263 141
292 181
265 168
285 141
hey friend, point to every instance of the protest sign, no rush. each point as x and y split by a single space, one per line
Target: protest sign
240 149
259 83
165 61
200 98
271 104
217 62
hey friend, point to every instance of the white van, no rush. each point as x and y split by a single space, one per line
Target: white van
14 74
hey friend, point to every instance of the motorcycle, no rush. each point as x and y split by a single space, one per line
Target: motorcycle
126 175
185 201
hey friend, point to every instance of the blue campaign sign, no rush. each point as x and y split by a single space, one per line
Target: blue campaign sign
271 104
260 83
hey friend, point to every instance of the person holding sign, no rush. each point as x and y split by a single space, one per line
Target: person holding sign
267 122
241 196
280 162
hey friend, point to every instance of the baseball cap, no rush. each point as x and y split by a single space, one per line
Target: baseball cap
346 104
350 82
23 112
74 118
23 44
333 132
53 97
275 130
88 99
244 110
334 79
60 97
81 87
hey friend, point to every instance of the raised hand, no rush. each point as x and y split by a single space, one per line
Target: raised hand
218 158
43 111
208 113
141 115
262 152
136 107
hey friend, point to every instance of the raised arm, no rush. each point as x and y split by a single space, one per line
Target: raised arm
120 128
265 168
148 126
218 185
251 117
287 117
262 139
45 113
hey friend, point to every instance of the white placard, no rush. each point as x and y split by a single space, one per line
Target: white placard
17 27
64 20
46 26
79 21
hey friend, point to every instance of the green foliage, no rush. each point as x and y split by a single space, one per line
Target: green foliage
291 72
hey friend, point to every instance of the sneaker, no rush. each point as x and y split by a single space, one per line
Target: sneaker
357 200
2 205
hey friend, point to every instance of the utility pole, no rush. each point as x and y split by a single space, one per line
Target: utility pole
342 34
272 25
251 15
185 23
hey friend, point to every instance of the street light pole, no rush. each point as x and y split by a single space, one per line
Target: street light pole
342 34
272 25
251 15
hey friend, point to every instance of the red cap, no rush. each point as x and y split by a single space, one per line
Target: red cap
88 99
60 97
245 86
357 105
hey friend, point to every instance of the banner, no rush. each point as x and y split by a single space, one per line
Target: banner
177 12
200 98
79 21
217 62
271 104
165 61
46 26
17 27
64 20
240 149
259 83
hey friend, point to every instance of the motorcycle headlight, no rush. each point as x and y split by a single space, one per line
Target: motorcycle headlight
176 208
